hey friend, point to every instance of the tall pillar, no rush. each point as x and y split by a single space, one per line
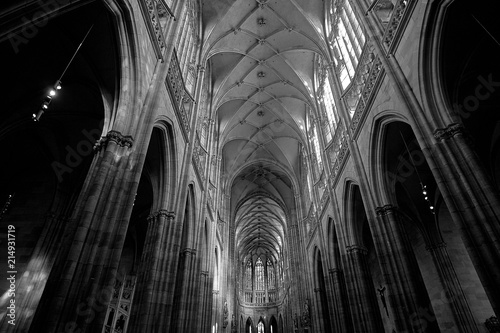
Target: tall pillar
406 290
454 298
363 301
147 315
473 203
81 284
186 292
342 318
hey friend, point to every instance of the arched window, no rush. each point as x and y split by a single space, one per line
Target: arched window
270 275
259 275
330 106
317 162
188 44
260 327
248 275
345 38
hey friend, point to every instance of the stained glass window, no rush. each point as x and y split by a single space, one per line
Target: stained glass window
270 274
259 275
248 275
346 39
330 108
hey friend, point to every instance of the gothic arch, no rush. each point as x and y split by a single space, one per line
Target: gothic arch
353 207
378 175
273 325
167 159
249 326
429 64
322 313
333 243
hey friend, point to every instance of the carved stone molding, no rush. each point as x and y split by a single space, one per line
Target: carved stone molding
396 23
333 271
356 249
154 27
442 134
166 213
204 273
384 210
116 137
188 252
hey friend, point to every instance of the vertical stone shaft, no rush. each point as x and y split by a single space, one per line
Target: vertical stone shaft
454 295
406 291
473 203
364 306
342 318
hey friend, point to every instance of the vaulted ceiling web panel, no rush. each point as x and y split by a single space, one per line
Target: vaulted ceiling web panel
261 53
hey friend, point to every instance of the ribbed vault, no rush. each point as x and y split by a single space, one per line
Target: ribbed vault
261 54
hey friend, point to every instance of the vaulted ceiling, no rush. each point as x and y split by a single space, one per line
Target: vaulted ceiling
261 54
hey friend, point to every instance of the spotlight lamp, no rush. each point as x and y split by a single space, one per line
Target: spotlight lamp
57 86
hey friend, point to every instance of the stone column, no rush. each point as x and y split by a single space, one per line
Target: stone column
206 301
80 286
186 296
474 205
147 314
406 290
319 313
452 295
343 321
363 301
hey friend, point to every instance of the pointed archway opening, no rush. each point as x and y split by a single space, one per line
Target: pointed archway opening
429 228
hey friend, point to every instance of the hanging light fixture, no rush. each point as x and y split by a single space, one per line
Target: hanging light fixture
57 86
424 187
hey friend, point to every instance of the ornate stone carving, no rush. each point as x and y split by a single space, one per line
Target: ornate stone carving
199 158
188 252
357 249
441 134
233 324
365 80
306 315
337 151
179 93
225 315
492 324
155 10
394 26
116 137
384 210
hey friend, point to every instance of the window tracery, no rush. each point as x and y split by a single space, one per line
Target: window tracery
346 39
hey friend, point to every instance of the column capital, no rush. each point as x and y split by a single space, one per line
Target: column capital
357 249
166 213
450 131
333 271
204 273
116 137
317 290
386 209
188 252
